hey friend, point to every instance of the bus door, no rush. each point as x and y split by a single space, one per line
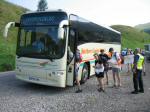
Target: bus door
71 57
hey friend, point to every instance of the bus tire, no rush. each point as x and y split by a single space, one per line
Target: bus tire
85 73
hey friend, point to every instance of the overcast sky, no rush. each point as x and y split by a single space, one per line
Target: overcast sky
105 12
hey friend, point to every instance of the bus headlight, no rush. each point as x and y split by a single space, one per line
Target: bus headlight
56 73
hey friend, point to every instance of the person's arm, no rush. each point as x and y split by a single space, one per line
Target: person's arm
118 58
109 56
143 62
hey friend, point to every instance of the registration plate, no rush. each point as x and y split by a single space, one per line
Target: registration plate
33 78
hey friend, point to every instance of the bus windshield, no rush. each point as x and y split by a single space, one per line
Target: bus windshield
40 42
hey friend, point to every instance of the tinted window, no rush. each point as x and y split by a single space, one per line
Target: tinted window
40 42
91 32
100 34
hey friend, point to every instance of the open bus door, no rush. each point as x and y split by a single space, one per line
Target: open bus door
71 57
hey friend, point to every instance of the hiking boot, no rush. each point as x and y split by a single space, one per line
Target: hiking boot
119 85
141 91
115 85
79 91
100 90
134 92
103 90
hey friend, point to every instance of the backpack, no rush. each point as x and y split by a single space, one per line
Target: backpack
121 58
104 58
123 53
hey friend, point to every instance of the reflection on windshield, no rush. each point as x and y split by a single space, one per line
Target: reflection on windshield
40 42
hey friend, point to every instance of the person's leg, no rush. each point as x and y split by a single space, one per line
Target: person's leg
101 84
78 83
128 67
118 76
114 72
98 82
140 81
77 80
106 72
135 82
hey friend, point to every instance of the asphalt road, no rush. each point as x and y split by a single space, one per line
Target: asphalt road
19 96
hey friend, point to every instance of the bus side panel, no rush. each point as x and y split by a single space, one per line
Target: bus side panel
88 49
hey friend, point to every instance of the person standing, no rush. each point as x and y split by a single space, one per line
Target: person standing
99 72
129 64
78 59
116 66
104 57
137 72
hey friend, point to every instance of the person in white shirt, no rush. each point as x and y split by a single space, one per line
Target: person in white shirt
116 66
99 72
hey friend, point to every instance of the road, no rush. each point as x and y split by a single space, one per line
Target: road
19 96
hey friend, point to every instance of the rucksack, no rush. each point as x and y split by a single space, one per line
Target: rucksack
121 58
104 58
123 53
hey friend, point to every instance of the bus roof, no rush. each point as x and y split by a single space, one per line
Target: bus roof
57 10
60 10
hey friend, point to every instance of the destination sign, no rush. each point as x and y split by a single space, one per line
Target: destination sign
42 19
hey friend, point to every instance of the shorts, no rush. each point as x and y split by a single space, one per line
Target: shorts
106 69
116 70
100 75
76 70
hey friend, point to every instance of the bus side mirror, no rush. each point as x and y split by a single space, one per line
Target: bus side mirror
8 25
61 33
61 29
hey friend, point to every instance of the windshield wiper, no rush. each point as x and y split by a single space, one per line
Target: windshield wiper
51 59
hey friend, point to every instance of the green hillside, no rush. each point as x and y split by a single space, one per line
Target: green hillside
132 37
145 27
8 12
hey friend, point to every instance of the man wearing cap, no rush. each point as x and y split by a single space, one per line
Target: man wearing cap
137 72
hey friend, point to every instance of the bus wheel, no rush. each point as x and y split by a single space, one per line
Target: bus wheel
85 73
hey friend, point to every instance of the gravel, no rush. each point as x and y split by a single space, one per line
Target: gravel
19 96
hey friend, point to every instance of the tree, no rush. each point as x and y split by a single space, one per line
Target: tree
42 5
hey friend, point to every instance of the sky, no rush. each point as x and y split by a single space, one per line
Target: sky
105 12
